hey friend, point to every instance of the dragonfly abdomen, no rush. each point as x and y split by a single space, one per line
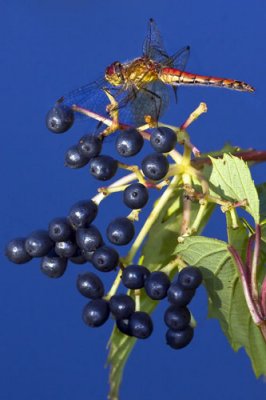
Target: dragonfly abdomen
172 76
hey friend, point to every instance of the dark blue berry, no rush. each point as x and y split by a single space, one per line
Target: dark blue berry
90 146
105 259
155 166
120 231
53 266
136 196
190 278
129 143
65 249
78 257
82 213
16 251
156 285
177 318
163 140
90 285
121 306
74 159
140 325
87 255
96 313
59 229
103 167
123 326
88 239
38 244
59 119
134 276
179 339
178 295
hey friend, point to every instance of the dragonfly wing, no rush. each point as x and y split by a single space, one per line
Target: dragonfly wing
153 99
179 59
93 98
90 96
153 46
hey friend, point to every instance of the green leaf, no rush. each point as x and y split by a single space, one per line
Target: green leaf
156 253
238 237
225 295
262 196
230 179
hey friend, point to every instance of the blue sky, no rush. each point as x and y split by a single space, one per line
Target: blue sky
48 49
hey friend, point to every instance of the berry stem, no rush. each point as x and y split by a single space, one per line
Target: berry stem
108 190
255 264
193 322
137 299
176 263
186 155
199 217
201 109
120 182
115 285
185 215
233 215
151 219
135 169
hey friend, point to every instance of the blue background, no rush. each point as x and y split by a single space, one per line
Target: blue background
46 49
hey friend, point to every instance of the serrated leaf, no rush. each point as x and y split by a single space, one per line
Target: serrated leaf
230 179
156 253
225 295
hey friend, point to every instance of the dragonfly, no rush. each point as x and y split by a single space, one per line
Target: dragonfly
142 86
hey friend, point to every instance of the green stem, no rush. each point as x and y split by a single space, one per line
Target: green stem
234 217
199 216
151 219
115 285
172 265
120 182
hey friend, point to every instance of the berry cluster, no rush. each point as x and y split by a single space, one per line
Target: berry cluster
74 238
129 142
122 307
71 238
177 315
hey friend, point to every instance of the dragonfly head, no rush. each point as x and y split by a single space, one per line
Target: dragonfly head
114 74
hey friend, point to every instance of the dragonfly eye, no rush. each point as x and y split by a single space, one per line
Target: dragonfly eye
118 69
114 73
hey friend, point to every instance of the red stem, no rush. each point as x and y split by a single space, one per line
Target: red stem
257 319
248 155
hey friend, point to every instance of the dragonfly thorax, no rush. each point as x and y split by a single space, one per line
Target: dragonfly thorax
138 73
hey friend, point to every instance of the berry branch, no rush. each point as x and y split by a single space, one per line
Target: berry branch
184 190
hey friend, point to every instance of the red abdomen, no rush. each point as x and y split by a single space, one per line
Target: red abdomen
172 76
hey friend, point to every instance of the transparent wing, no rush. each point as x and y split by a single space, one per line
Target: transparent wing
153 46
179 59
93 98
153 100
90 96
